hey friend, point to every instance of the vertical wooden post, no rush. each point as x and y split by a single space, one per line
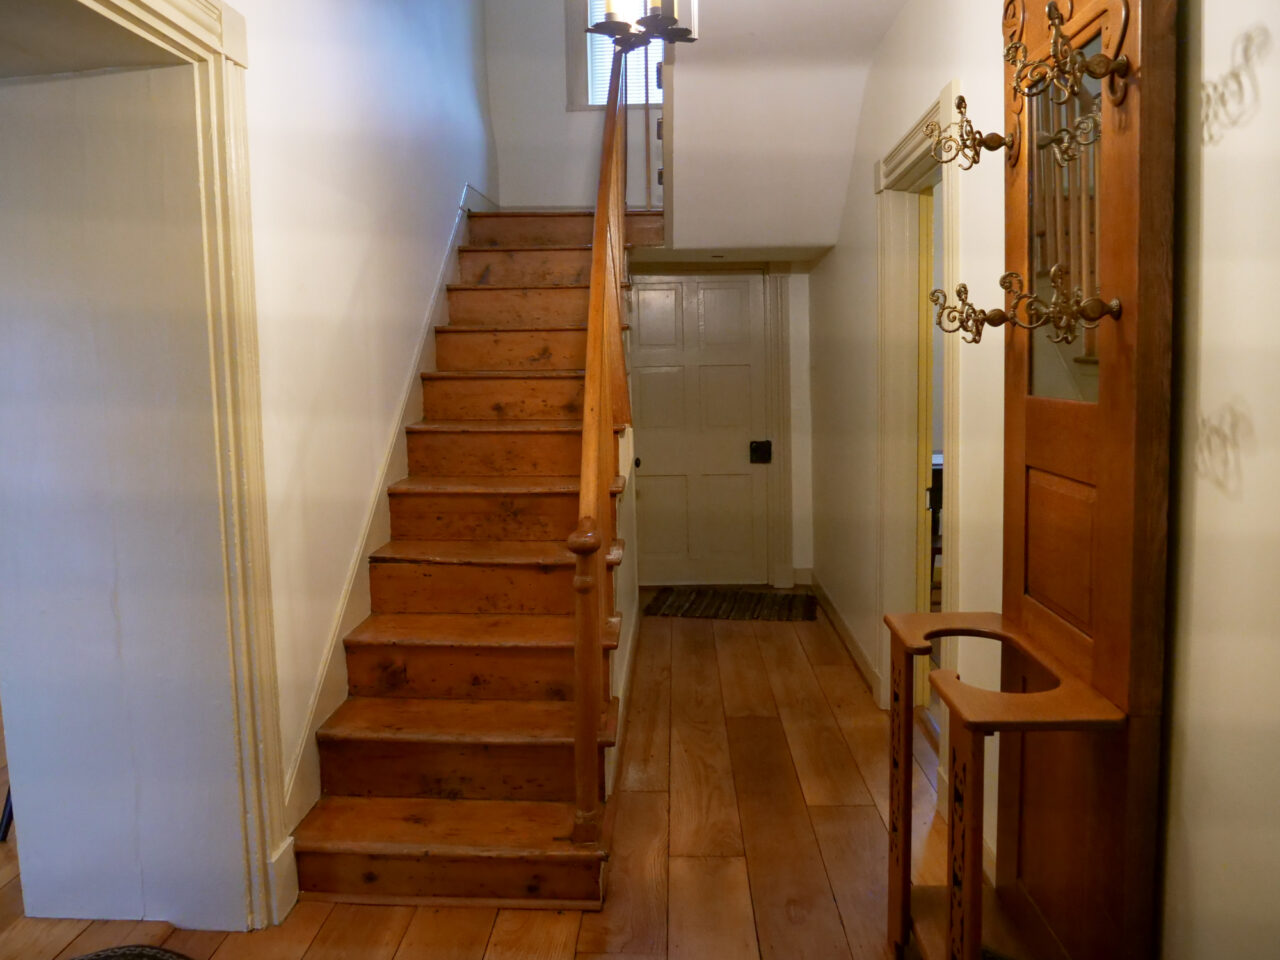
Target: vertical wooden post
964 843
585 542
901 710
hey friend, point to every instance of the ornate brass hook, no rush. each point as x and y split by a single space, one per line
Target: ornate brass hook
1084 131
1062 72
1067 314
960 141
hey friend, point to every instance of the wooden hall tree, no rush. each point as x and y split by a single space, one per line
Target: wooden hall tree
1089 150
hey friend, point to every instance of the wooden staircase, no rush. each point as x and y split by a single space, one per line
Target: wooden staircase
448 774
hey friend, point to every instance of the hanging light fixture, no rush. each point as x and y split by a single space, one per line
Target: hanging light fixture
662 22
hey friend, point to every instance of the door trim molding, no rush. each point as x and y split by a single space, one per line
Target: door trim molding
777 329
210 36
901 175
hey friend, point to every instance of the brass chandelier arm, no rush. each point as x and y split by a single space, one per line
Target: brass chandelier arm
1061 73
1068 313
960 141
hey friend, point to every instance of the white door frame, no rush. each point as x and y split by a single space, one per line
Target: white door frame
211 37
902 174
777 329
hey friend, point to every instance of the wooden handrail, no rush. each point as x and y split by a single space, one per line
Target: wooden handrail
606 404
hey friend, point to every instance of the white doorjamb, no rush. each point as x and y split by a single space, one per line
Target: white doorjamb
777 329
212 38
903 173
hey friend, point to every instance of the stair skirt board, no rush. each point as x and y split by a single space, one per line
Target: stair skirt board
447 776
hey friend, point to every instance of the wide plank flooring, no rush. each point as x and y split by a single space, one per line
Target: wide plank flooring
751 810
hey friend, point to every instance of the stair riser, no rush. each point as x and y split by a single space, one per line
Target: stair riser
451 673
470 588
483 516
515 879
502 399
442 454
514 231
524 266
518 308
517 350
451 771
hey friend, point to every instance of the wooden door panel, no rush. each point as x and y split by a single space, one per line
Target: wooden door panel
1060 546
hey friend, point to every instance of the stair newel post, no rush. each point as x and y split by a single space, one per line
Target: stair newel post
585 543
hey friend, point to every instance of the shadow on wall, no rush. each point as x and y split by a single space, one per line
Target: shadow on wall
1234 99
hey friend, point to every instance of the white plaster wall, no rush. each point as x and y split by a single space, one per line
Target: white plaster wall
966 47
114 654
801 423
1223 838
548 155
366 120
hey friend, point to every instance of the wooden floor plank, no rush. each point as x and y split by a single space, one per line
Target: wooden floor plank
743 680
704 810
9 858
855 849
447 933
360 932
929 854
287 941
827 771
925 755
646 754
796 915
711 914
534 935
31 939
822 645
196 944
634 917
104 934
11 907
864 725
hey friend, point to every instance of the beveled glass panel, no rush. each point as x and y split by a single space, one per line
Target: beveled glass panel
1065 217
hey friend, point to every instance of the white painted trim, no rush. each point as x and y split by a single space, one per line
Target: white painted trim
283 870
901 175
302 781
613 756
777 327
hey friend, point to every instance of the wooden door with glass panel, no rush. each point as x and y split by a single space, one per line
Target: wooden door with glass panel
1089 107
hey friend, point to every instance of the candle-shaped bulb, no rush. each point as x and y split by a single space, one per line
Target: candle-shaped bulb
610 10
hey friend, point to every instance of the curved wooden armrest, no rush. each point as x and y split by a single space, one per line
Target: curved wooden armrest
917 631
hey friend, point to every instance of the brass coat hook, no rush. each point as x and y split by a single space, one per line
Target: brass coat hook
1066 314
960 141
1061 73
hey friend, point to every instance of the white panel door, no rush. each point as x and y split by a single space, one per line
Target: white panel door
698 373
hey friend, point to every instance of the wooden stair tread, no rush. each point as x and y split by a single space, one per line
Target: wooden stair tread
486 722
501 426
504 375
523 247
499 485
541 328
474 630
456 287
541 553
418 827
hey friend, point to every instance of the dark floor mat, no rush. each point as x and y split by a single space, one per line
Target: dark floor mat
726 603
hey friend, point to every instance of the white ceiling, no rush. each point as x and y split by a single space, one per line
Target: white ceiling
41 37
765 110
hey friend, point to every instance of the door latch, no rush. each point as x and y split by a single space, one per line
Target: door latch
762 451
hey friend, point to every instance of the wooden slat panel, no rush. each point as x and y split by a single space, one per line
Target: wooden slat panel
288 941
534 935
823 761
796 916
711 913
358 932
646 755
634 918
855 849
743 680
448 933
704 810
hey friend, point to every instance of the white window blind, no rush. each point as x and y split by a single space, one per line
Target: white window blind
600 56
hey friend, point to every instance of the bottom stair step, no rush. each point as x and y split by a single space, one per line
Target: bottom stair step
479 850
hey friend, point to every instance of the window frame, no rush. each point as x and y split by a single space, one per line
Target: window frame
577 80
